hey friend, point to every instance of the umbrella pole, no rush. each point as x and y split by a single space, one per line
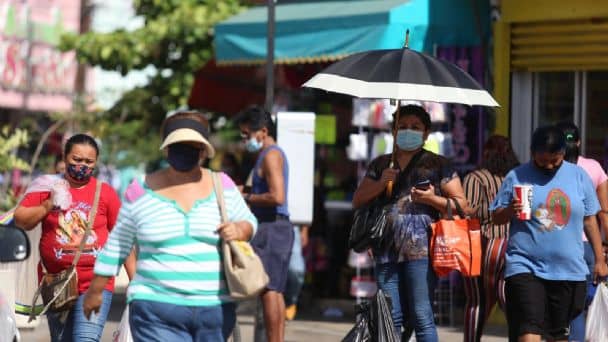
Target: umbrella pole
389 186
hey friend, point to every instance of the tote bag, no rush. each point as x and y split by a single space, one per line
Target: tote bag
456 244
244 271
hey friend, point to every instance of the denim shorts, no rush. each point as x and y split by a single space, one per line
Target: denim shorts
155 321
272 242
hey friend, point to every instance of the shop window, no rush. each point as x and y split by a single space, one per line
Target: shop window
555 99
596 125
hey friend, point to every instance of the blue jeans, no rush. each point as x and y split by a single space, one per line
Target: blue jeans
411 285
577 326
154 321
78 328
297 269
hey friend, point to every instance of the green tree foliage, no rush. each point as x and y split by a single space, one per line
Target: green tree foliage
177 40
10 142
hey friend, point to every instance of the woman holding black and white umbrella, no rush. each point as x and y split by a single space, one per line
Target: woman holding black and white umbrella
423 182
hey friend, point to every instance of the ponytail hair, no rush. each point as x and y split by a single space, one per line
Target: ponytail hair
572 136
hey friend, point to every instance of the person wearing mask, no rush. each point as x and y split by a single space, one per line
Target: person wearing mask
179 292
600 184
62 231
268 201
480 187
545 269
423 183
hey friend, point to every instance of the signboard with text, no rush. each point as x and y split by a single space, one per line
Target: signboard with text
29 33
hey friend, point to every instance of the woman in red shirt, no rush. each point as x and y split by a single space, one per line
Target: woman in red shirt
62 231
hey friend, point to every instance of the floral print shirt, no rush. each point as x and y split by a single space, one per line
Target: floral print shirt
411 221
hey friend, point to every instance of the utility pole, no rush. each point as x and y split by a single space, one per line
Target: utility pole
85 21
79 97
270 57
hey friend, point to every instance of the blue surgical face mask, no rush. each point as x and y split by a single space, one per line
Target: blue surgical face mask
183 157
253 145
409 139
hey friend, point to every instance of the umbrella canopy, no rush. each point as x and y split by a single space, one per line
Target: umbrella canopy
401 74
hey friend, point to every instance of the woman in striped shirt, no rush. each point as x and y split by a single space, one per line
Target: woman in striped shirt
179 291
480 187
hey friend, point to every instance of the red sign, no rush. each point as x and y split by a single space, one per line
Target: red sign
29 32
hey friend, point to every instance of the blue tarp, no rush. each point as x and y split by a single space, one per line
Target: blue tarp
330 30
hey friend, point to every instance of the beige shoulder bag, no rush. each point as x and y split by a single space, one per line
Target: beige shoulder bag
244 271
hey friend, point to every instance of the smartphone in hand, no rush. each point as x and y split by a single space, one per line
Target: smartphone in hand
423 185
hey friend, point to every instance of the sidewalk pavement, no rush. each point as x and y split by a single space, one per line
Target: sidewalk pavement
309 325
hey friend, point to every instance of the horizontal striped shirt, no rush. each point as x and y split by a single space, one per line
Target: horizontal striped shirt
178 259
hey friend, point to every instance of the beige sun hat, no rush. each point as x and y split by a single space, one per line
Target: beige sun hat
187 130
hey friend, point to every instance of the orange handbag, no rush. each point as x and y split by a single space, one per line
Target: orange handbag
456 244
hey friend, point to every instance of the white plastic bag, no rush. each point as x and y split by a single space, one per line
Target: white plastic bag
8 327
60 188
597 316
123 334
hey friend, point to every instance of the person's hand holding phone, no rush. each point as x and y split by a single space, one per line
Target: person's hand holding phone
422 191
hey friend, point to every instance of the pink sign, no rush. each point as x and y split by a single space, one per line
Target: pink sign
29 33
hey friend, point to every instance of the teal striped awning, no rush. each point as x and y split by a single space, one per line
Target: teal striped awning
310 32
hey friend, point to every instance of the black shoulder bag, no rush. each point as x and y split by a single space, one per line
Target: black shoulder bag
372 224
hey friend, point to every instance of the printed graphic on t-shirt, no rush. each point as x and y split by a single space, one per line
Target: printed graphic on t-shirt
555 212
70 232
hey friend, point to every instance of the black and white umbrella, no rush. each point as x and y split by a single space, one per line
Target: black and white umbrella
401 74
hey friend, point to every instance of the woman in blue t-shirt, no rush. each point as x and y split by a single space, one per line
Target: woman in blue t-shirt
545 269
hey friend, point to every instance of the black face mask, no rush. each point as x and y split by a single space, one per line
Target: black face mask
183 157
548 172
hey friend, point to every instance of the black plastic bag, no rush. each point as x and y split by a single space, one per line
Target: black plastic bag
382 328
360 332
374 321
372 227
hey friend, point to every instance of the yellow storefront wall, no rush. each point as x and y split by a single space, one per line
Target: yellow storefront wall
546 35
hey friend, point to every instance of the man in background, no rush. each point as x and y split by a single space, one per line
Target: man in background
268 201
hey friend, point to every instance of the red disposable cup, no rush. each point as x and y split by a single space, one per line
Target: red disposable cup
523 195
